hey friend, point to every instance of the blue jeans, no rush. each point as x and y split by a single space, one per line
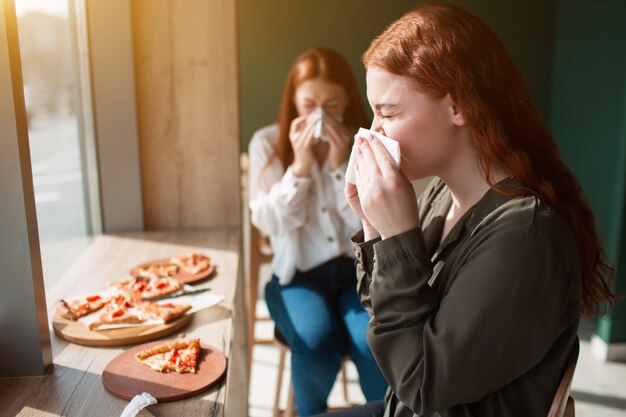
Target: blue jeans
322 320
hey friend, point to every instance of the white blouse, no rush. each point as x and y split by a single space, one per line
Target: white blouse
308 220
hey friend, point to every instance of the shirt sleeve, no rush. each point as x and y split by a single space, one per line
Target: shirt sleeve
277 198
436 353
364 252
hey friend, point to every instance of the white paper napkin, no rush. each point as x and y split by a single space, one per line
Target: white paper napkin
138 403
392 146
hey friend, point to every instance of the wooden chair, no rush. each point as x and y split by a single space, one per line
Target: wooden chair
563 403
259 253
290 411
256 251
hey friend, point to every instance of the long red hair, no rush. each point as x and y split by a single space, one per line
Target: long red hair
444 49
330 66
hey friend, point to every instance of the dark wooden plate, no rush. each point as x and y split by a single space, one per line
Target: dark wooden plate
124 377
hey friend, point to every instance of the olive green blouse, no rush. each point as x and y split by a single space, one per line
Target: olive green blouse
482 324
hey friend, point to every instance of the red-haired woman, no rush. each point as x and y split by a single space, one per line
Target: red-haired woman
297 169
477 288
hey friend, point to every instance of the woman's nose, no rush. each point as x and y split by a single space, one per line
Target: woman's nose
376 127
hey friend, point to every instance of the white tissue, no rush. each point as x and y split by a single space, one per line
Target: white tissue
319 124
138 403
392 146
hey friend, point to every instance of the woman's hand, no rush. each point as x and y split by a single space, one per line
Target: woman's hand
339 139
302 142
352 196
386 196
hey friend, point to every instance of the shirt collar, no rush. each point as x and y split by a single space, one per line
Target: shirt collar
490 201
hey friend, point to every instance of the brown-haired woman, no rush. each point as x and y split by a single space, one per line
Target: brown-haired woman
477 288
297 169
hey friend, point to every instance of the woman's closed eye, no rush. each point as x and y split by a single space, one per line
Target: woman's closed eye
384 115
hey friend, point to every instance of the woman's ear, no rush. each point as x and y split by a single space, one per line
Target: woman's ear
456 116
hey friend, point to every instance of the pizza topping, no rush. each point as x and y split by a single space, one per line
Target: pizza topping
164 312
176 356
156 270
77 308
142 288
192 263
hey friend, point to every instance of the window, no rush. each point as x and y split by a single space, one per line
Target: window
56 89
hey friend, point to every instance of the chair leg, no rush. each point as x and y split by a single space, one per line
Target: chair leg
279 380
291 403
344 378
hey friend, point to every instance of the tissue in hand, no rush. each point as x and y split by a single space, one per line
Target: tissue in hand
391 145
319 124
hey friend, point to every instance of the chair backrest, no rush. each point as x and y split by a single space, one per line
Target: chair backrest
563 404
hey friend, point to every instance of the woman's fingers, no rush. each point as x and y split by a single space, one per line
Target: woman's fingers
296 124
298 128
306 136
367 159
385 163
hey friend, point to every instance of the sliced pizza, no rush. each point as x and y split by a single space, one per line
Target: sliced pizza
164 312
116 312
179 356
144 288
192 263
80 307
156 270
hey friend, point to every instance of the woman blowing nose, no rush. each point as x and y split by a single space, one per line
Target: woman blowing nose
475 289
297 198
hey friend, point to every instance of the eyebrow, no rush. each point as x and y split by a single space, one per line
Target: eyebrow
386 106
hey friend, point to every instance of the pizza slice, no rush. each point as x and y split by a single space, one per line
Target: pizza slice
117 312
164 312
179 356
80 307
144 288
156 270
193 263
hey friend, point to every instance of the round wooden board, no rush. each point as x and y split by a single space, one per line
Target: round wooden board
124 377
77 332
194 279
183 277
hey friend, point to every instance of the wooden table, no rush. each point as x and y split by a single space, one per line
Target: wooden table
73 386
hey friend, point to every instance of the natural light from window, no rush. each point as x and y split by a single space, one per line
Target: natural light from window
48 50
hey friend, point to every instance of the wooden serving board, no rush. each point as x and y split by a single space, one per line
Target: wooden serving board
77 332
186 278
124 377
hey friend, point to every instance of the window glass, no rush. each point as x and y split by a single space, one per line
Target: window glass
48 48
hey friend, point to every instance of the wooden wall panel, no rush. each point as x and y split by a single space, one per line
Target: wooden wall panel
187 101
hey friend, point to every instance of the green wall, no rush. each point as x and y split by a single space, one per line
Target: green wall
588 118
273 32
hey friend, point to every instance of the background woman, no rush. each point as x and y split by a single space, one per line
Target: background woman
297 199
476 290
